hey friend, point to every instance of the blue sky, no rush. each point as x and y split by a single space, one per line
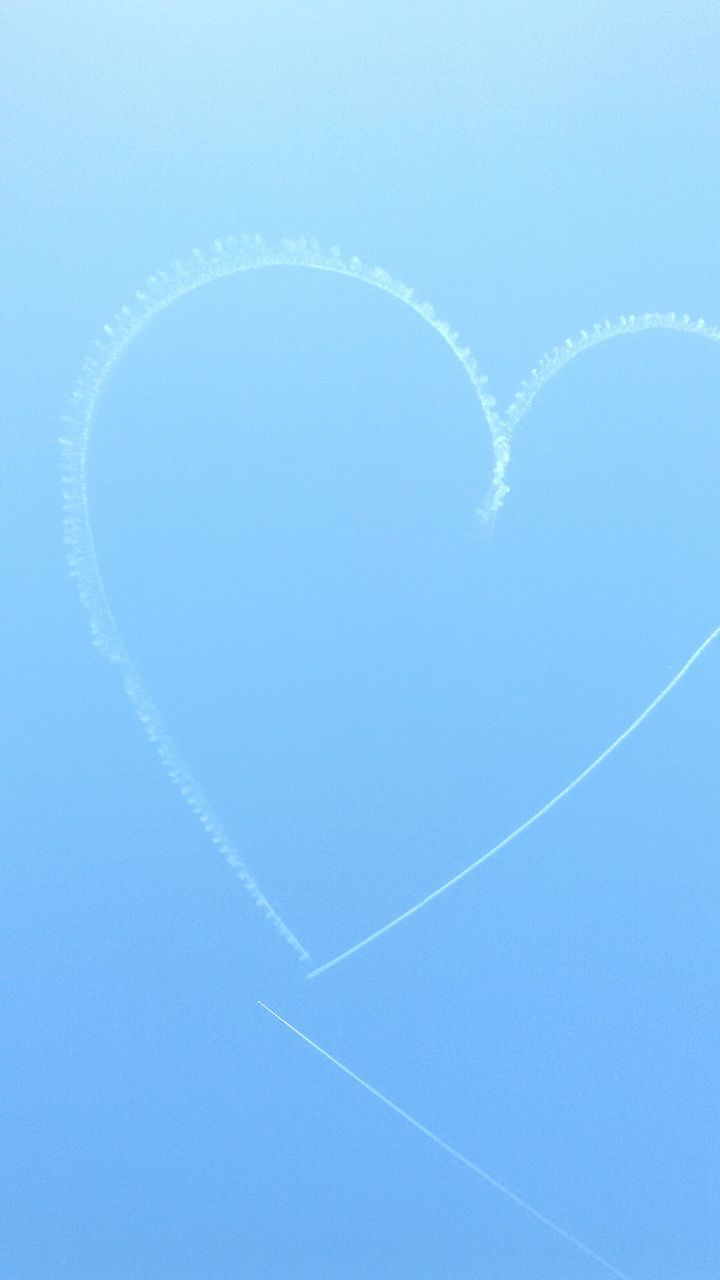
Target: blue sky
371 691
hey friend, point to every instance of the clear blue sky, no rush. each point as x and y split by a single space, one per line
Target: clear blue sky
282 488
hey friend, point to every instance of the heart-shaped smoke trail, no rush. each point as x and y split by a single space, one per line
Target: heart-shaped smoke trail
228 258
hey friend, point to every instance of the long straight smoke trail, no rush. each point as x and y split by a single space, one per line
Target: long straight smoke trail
493 1182
529 822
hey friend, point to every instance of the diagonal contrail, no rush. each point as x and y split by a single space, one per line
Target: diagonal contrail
529 822
509 1194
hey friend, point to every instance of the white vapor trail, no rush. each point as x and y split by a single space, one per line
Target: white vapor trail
228 258
493 1182
529 822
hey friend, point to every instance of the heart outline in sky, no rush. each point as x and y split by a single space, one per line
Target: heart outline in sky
229 258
